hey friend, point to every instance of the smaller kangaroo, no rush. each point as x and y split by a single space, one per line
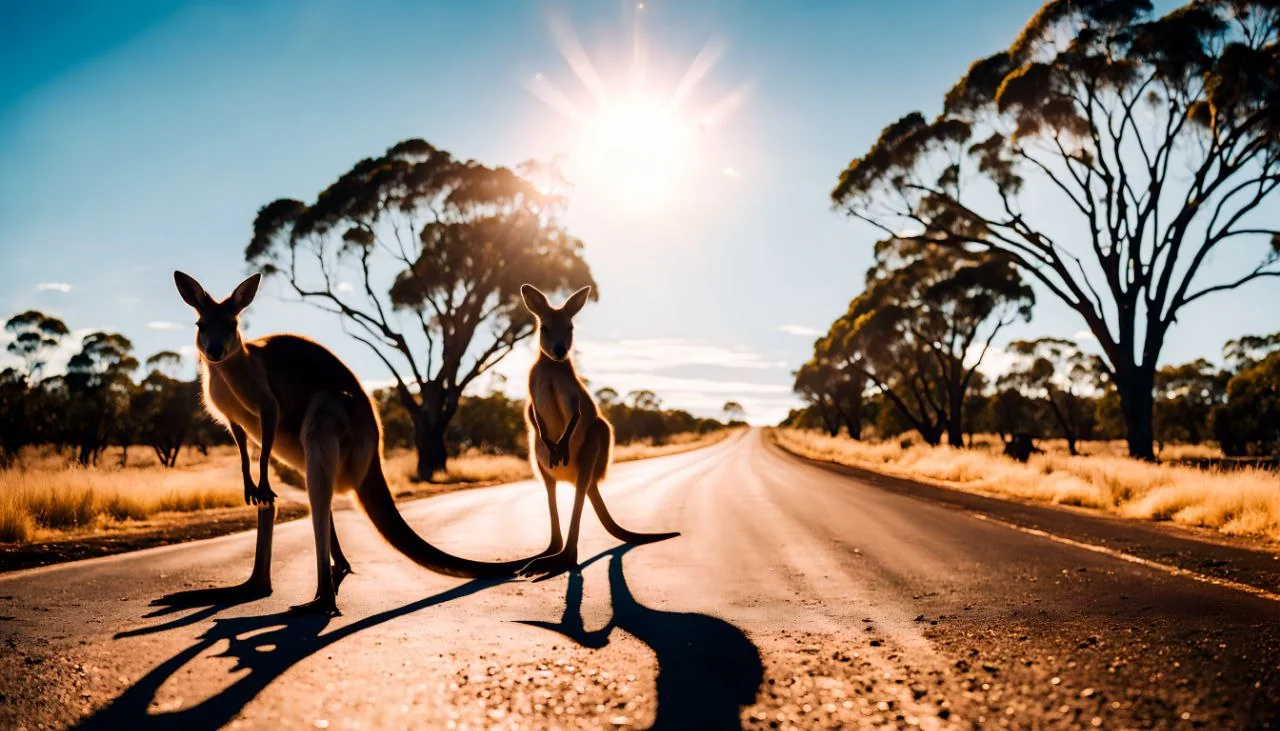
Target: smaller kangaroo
568 437
291 395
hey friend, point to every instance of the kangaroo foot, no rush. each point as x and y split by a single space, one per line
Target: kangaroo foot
552 549
339 572
323 605
547 566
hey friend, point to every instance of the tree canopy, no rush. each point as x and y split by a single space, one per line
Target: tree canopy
1157 136
921 328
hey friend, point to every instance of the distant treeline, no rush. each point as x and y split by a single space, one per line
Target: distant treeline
494 423
1051 389
96 403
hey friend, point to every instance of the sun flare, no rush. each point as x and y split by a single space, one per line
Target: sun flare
635 142
638 148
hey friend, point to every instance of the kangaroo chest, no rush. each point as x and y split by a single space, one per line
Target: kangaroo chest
230 403
551 401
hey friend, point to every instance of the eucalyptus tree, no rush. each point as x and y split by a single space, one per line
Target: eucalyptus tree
1111 153
924 324
35 336
1060 375
98 385
421 257
833 389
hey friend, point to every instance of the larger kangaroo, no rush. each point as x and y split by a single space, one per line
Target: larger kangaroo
300 403
568 437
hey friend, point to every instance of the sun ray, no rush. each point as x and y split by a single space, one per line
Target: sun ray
575 55
701 66
551 95
715 114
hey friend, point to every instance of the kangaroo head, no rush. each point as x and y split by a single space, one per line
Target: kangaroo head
218 327
555 324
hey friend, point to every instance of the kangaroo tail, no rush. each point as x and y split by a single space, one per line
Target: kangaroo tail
375 498
617 531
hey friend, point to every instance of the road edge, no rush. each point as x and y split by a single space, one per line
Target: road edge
1173 549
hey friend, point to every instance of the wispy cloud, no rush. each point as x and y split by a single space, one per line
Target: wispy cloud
685 374
164 325
801 330
53 287
344 287
731 172
651 354
1084 336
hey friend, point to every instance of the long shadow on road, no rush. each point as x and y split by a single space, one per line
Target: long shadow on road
266 646
707 668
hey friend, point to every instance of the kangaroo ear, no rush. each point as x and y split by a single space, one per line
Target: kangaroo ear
191 291
576 301
535 300
244 293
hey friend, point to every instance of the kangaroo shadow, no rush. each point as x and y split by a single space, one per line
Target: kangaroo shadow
707 668
265 645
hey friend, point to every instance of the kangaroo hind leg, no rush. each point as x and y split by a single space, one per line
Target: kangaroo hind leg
557 540
341 566
324 422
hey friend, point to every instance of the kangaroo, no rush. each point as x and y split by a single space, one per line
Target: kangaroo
568 437
295 399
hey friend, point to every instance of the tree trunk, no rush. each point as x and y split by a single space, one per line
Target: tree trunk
852 418
932 435
428 437
1137 403
955 418
1071 445
955 436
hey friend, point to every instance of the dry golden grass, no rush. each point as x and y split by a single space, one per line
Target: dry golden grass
42 495
674 444
1239 502
1093 448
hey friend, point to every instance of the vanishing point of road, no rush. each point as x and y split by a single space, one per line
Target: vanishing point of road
795 596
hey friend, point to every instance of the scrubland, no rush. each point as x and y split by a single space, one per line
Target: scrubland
1243 502
44 496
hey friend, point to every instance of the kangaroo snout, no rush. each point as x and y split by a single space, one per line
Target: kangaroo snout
213 350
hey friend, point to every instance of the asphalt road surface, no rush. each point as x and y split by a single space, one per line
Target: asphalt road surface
796 596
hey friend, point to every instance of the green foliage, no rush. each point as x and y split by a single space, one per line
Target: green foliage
834 391
1249 422
492 424
1186 396
913 332
1060 379
165 412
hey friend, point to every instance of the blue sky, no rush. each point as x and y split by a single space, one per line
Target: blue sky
140 137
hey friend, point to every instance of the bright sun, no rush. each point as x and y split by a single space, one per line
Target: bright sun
638 149
630 143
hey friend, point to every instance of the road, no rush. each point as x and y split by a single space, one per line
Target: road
796 596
